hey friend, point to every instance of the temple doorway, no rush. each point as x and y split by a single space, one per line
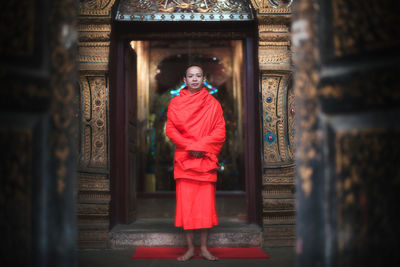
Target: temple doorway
147 64
160 68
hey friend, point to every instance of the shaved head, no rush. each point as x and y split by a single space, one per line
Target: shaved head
192 67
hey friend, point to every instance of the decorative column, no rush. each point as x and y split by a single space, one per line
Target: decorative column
277 117
93 170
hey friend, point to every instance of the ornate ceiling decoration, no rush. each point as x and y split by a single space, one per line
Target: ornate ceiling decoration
184 10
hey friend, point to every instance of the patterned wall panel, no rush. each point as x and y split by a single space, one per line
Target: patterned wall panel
94 184
277 99
278 109
181 10
93 56
277 117
94 108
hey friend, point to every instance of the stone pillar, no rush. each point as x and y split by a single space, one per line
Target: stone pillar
93 169
277 117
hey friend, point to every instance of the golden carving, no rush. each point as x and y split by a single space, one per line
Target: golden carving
94 28
94 55
274 96
96 7
278 190
181 10
272 7
92 33
271 43
272 56
94 103
273 28
278 180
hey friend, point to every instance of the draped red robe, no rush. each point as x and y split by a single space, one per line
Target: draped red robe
195 122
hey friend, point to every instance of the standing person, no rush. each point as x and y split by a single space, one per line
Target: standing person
195 124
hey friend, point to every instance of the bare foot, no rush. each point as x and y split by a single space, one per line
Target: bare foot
187 256
207 255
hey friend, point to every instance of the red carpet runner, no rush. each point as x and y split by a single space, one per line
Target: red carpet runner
222 253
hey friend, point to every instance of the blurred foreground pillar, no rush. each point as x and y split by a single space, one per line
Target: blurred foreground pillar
347 132
38 132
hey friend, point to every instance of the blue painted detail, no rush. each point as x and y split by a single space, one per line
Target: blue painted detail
270 138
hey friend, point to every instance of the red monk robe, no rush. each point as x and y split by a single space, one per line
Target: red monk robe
195 123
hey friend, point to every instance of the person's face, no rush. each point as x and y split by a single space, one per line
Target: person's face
194 78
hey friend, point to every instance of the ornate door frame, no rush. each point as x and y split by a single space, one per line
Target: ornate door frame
276 183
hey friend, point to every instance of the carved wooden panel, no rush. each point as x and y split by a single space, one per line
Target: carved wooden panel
94 108
180 10
277 116
276 98
93 210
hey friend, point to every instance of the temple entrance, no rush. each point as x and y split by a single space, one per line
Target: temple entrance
147 64
162 64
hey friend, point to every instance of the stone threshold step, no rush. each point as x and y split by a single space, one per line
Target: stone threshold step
162 232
